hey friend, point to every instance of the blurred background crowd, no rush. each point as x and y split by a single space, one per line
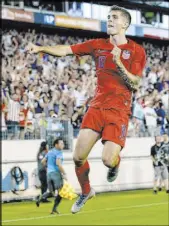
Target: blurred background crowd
41 91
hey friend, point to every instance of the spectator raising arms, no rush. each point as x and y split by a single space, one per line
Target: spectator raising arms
42 81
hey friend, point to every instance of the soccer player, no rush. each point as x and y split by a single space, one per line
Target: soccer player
55 174
119 65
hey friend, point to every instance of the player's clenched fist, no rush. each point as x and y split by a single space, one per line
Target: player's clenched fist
31 48
116 54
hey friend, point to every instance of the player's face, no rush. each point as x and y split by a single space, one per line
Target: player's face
61 144
116 23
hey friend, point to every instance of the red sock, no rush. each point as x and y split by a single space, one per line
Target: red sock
82 173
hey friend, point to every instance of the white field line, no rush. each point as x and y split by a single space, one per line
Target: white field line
86 212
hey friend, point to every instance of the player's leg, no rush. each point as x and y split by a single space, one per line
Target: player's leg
58 183
49 193
57 201
89 134
91 129
86 140
43 180
113 138
111 159
45 184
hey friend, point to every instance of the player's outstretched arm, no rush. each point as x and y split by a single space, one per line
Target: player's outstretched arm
58 50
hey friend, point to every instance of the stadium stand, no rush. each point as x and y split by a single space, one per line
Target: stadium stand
40 88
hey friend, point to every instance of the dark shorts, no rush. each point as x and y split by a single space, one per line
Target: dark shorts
54 180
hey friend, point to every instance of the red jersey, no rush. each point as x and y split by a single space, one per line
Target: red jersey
111 91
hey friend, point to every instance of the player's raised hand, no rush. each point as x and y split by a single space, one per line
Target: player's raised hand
116 53
31 48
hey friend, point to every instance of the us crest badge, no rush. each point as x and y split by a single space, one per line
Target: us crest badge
126 54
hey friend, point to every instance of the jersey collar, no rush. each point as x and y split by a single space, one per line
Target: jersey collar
122 45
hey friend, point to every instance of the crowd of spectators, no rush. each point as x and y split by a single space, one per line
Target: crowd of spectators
40 91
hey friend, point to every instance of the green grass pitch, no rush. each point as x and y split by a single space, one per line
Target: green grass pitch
116 208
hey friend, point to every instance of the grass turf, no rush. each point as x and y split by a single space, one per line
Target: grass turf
116 208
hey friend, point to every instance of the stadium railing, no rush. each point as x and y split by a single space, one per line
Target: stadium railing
58 128
62 129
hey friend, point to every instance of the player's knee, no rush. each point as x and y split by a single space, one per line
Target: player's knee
110 162
79 154
106 162
78 160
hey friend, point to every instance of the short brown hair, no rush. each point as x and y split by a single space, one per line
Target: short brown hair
124 12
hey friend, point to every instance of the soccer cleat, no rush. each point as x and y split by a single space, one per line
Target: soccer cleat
167 191
155 192
77 206
55 211
112 174
159 189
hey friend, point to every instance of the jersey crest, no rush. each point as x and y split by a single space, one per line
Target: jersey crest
126 54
